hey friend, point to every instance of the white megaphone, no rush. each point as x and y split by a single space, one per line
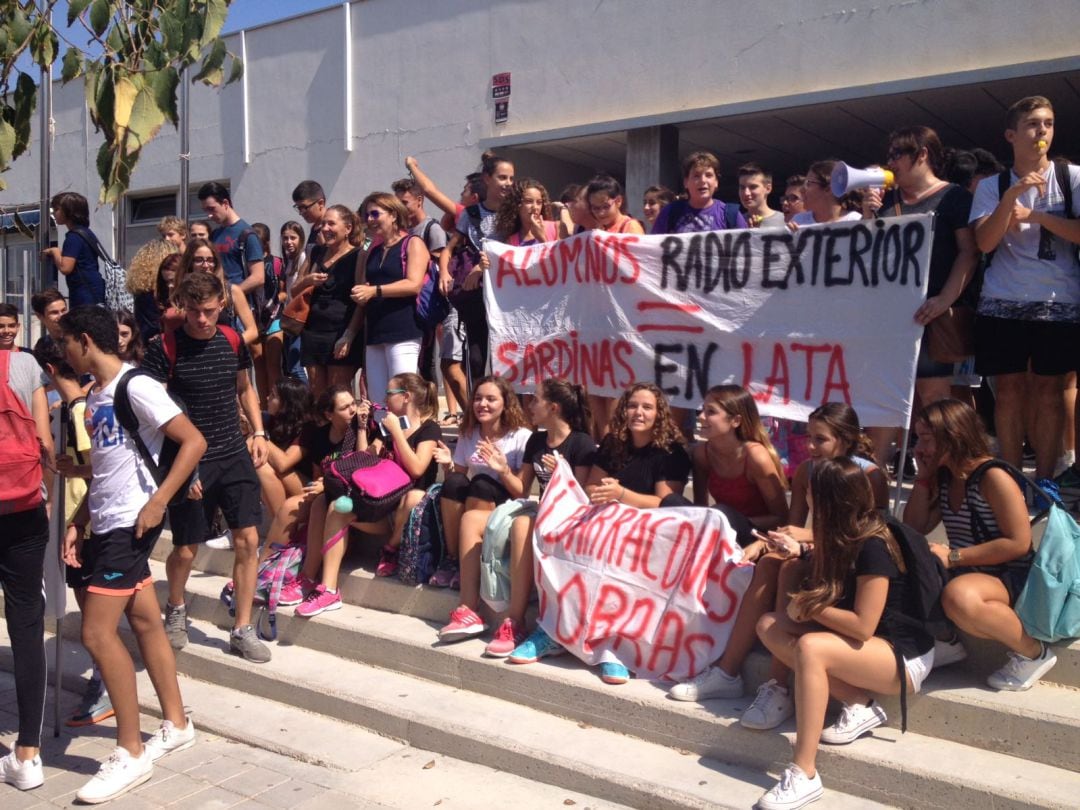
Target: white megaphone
845 178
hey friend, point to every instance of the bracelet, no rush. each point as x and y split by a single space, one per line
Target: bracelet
804 550
378 291
621 494
259 434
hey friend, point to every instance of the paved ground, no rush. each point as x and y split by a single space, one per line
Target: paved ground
221 773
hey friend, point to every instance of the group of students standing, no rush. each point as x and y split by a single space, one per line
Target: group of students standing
217 309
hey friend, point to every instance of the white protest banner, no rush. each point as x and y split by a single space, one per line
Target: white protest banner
656 589
822 314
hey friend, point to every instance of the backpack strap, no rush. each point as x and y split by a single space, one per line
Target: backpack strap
1061 170
675 209
731 216
405 254
978 525
168 345
427 231
232 336
125 414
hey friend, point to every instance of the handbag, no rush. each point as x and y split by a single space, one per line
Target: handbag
294 317
364 484
950 337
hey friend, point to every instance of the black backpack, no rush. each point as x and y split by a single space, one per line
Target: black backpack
926 578
130 422
1061 173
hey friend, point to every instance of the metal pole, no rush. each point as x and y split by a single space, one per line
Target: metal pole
900 470
60 508
45 138
185 146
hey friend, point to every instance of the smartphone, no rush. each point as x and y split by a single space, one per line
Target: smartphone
759 536
403 422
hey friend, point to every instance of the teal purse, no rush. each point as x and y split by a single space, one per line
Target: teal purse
1049 605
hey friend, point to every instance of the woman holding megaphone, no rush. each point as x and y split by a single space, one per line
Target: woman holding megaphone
821 205
916 159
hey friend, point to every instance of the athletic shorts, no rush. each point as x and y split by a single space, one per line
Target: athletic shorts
1007 346
918 668
230 484
116 563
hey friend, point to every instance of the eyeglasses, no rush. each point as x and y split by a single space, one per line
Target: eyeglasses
791 198
392 391
817 183
203 260
304 207
599 209
896 154
372 213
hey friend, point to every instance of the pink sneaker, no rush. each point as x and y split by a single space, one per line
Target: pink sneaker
507 637
294 590
388 562
318 601
464 623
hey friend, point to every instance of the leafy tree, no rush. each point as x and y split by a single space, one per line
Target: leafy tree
131 69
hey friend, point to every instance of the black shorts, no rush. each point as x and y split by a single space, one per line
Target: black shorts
230 484
317 349
116 563
1007 346
459 487
1013 577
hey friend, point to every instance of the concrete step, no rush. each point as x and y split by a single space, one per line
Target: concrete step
954 719
359 586
255 752
509 737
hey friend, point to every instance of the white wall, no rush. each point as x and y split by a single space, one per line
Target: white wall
422 73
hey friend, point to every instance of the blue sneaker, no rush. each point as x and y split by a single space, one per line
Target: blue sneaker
1050 487
538 645
614 673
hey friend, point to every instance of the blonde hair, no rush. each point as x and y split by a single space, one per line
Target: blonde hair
143 269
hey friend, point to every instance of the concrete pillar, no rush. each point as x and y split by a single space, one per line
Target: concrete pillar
652 157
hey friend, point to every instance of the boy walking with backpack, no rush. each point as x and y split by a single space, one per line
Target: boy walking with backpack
205 365
126 511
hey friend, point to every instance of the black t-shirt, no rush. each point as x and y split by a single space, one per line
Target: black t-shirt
316 445
427 432
204 379
331 306
874 560
578 449
952 204
641 468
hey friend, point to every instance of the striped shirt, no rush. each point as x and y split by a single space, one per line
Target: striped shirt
204 379
965 529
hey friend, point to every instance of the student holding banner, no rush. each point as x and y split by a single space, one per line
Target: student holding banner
640 462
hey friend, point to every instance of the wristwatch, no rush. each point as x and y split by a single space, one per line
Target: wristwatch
954 556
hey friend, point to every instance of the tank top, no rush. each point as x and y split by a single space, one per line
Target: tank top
740 493
974 523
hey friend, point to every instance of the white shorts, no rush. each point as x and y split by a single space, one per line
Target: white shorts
919 668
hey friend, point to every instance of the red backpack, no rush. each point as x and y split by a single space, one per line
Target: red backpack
20 463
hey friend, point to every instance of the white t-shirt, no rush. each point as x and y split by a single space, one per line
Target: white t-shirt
512 445
1018 284
122 484
805 219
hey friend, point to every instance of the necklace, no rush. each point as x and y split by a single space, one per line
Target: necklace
386 249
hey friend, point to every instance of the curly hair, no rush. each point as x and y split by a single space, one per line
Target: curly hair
508 217
844 518
665 432
512 416
143 269
843 423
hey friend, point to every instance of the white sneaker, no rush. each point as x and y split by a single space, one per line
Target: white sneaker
948 652
1020 673
795 789
771 707
168 739
117 775
223 542
712 683
25 774
855 720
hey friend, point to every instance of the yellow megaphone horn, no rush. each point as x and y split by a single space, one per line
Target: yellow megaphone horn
845 178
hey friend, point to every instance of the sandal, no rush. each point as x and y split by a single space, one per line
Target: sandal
451 419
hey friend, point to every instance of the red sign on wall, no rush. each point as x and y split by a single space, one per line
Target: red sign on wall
500 85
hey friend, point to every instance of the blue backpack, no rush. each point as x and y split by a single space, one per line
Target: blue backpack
432 306
422 543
